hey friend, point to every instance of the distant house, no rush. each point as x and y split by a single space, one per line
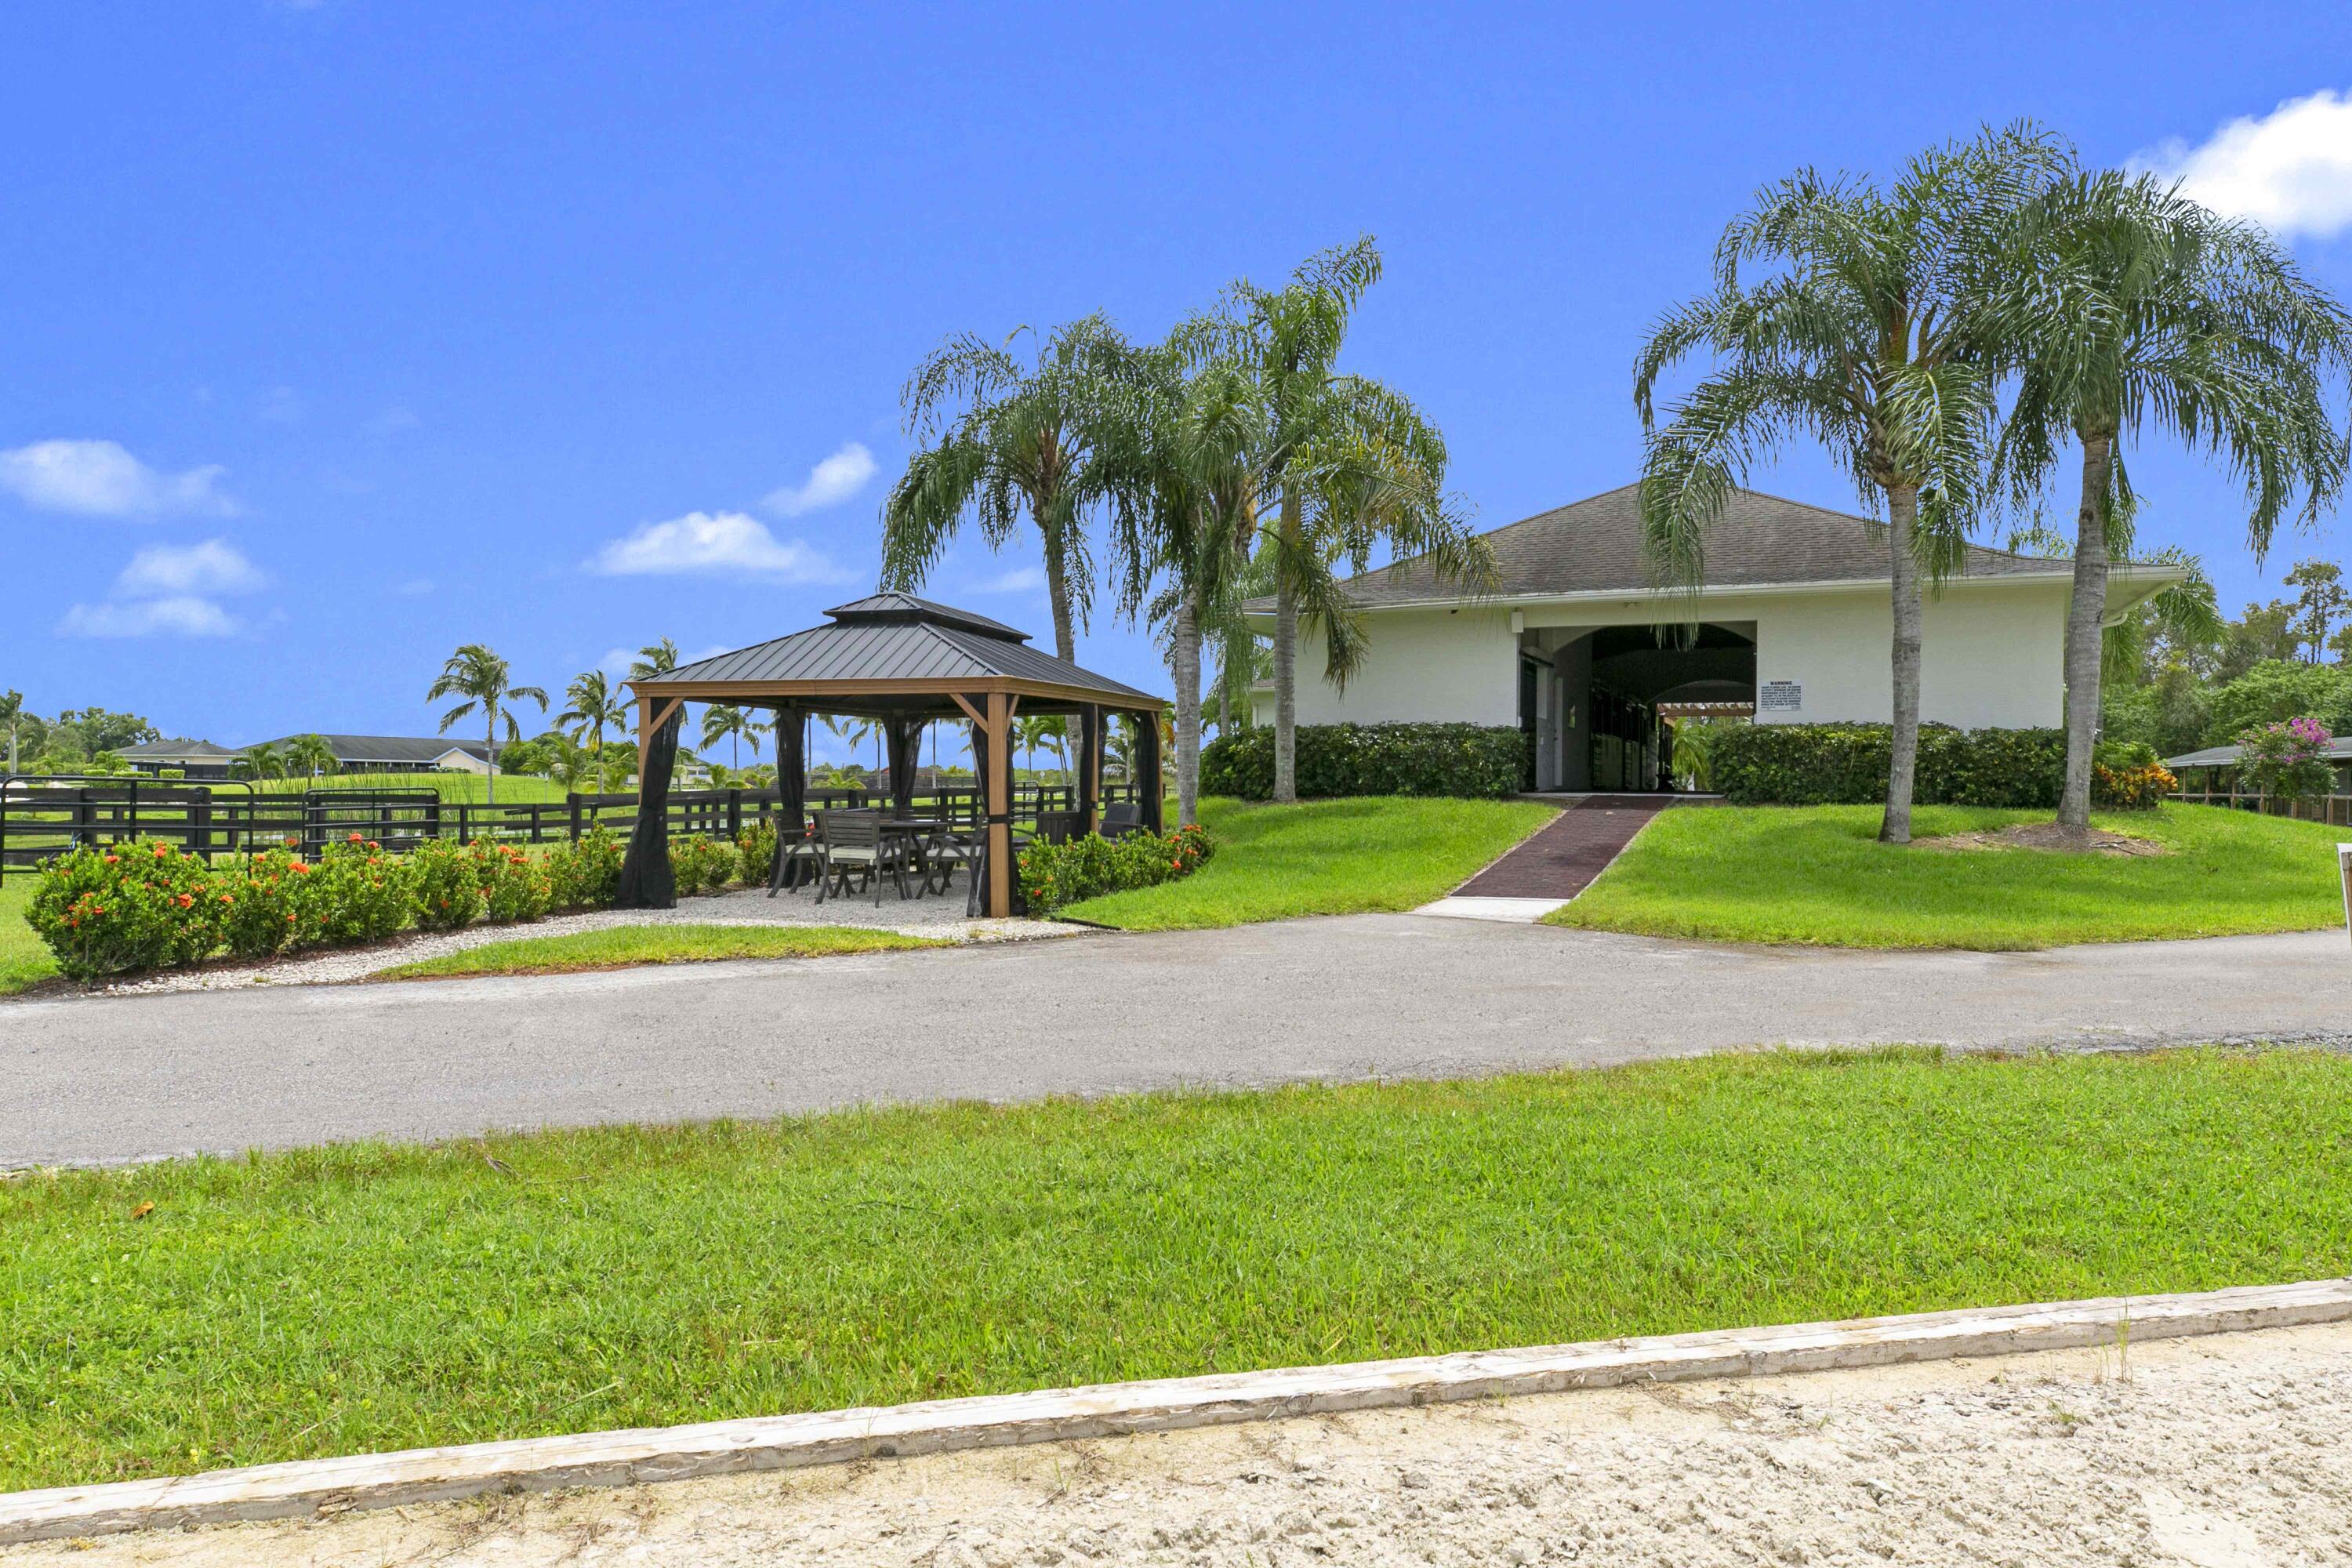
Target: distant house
189 759
400 754
352 754
1576 646
2214 769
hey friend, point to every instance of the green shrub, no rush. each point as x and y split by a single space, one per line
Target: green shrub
449 890
363 893
701 865
268 904
513 887
586 873
1478 761
1053 875
755 852
110 908
1847 765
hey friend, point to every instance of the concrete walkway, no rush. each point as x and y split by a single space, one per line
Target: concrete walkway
1369 996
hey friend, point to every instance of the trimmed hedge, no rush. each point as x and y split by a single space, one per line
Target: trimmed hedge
1478 761
1846 764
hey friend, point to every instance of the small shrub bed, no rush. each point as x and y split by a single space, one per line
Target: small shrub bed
113 910
1847 765
1053 875
1474 760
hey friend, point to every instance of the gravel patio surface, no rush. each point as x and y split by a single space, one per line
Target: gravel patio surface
2223 1452
935 916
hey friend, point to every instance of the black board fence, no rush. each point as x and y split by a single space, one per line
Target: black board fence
45 815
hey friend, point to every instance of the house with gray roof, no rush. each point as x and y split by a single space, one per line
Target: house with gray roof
1577 643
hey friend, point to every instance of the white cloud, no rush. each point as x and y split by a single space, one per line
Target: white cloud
1016 580
184 616
2290 171
703 542
830 483
100 479
163 571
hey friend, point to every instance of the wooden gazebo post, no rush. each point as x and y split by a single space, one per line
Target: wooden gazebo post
1000 803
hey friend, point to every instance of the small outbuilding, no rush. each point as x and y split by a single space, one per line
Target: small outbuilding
907 663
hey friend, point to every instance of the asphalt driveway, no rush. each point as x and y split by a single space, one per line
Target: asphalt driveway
87 1080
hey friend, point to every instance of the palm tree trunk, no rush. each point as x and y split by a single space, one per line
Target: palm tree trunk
1285 665
1185 665
490 746
1057 589
1903 511
2085 614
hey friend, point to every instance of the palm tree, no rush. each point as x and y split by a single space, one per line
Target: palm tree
1870 334
1196 447
856 731
998 440
483 680
1355 466
261 761
594 704
724 722
310 755
2136 307
654 659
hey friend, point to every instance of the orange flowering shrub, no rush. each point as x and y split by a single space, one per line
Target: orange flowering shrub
110 909
1053 875
513 886
268 904
365 894
448 885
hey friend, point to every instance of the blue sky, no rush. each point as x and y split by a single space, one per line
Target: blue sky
334 335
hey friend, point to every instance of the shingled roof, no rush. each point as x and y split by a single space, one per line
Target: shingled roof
1594 546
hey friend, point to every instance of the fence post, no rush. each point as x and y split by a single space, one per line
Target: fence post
735 813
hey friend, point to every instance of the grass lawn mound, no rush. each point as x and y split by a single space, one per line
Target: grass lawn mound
1323 857
2047 836
626 947
1819 875
183 1316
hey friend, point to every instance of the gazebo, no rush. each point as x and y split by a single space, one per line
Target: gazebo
905 662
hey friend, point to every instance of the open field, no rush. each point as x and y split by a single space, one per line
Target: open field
365 1297
472 789
621 947
1817 874
1323 857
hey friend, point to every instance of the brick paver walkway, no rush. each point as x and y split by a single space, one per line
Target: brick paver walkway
1559 861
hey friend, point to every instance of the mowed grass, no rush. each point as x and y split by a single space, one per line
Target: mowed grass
364 1298
1817 874
622 947
1323 857
25 960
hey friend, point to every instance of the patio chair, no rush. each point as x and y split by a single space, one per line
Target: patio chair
1121 819
795 844
944 852
853 842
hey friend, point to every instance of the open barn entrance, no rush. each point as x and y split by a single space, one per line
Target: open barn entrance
1600 703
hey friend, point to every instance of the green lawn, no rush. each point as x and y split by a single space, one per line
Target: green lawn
24 958
623 946
1323 857
1818 875
362 1298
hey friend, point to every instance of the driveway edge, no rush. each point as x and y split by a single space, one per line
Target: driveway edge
314 1487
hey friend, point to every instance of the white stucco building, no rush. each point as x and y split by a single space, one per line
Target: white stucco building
1792 625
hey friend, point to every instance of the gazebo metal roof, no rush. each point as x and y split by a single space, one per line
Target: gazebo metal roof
881 651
